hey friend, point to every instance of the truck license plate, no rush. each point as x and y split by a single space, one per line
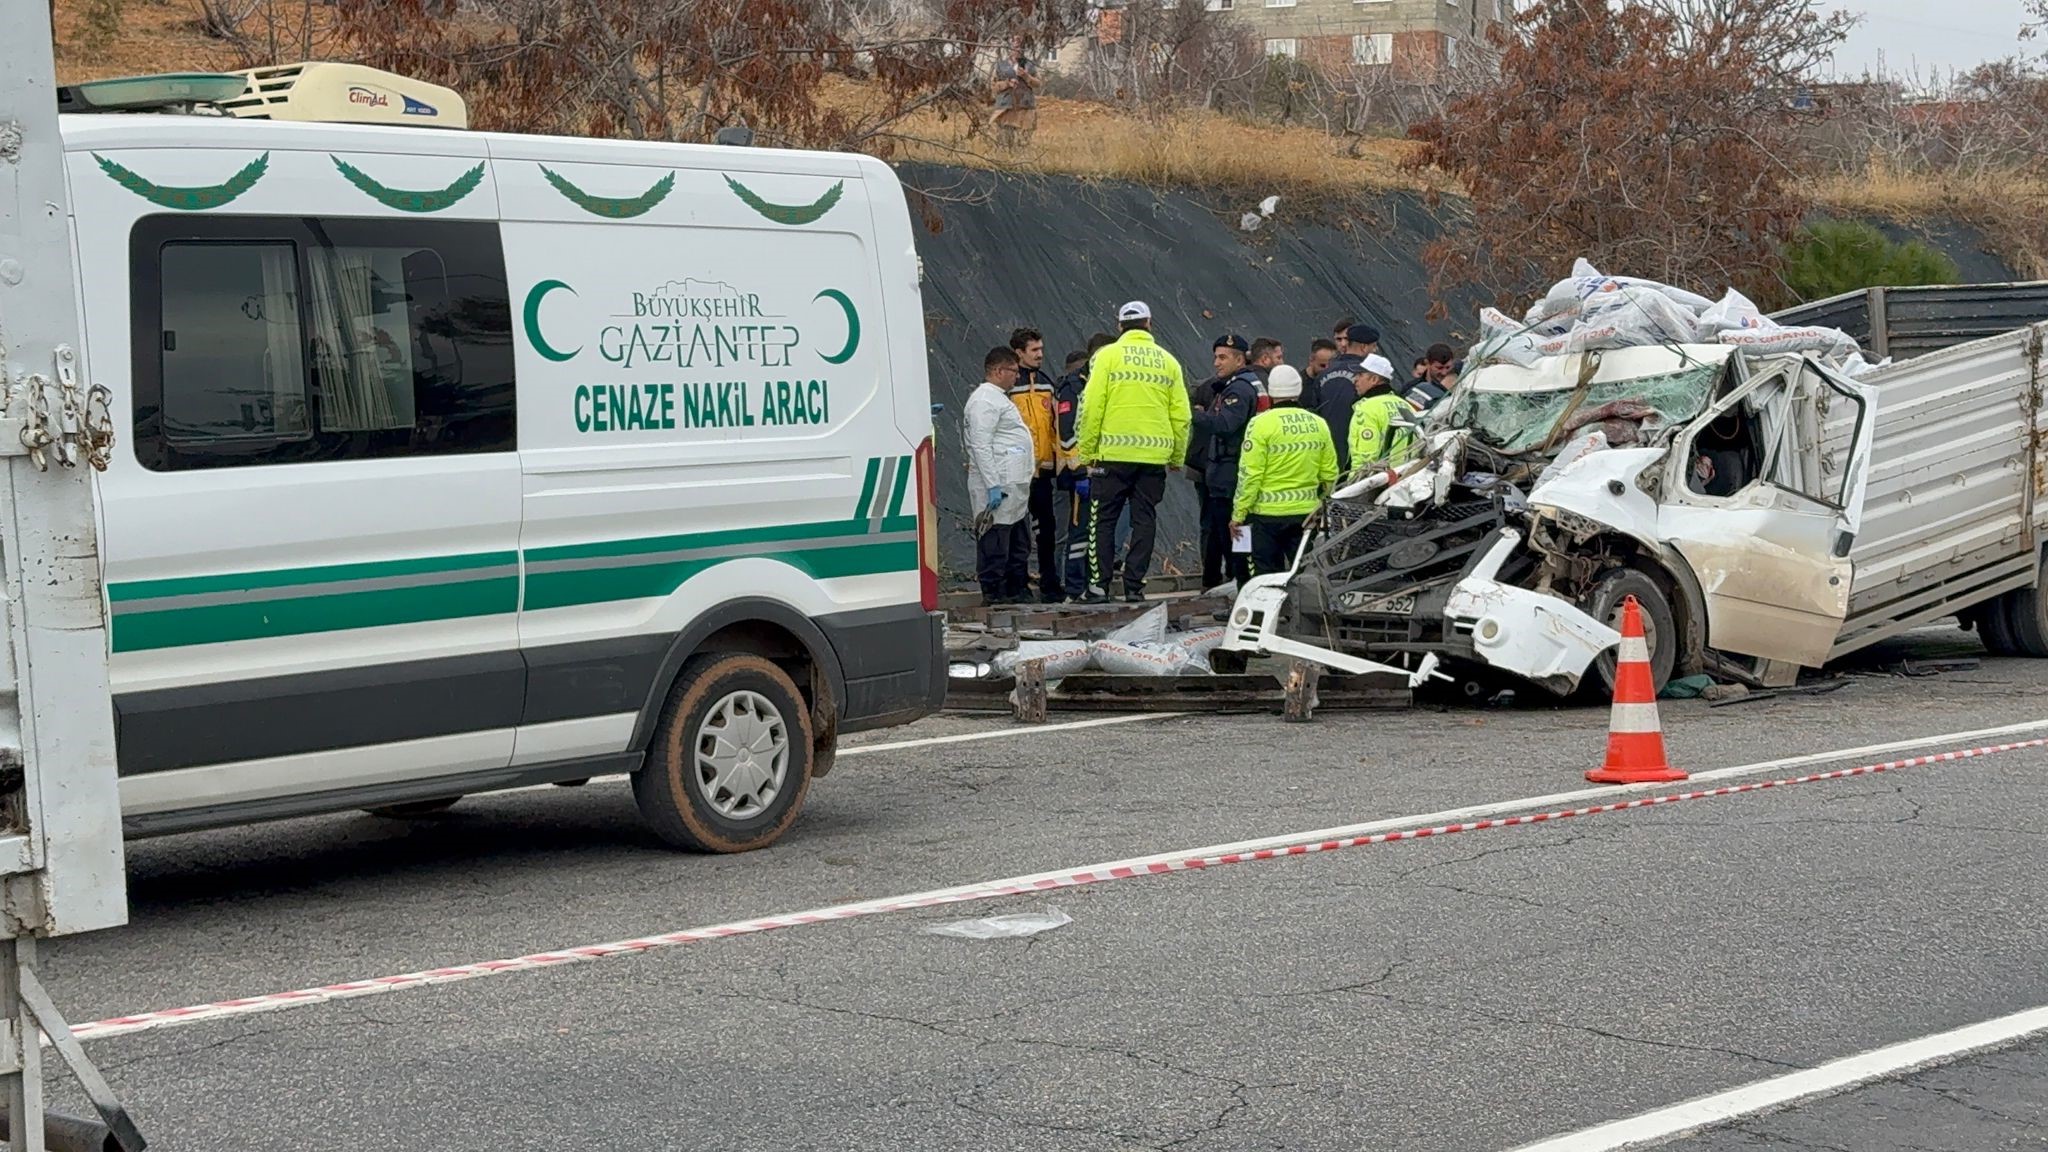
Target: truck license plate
1402 605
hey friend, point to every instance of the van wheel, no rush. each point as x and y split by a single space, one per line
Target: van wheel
1604 603
2026 616
731 759
414 808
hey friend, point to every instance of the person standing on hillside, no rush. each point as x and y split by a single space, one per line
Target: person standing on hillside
1288 466
1339 387
999 470
1219 426
1034 396
1134 426
1016 85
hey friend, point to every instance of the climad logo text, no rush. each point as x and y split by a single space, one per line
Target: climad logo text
698 354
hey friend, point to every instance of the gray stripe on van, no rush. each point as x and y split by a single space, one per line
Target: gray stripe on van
885 485
714 552
322 588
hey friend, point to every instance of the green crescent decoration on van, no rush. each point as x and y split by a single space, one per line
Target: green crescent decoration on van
788 213
410 200
532 318
197 198
852 326
610 209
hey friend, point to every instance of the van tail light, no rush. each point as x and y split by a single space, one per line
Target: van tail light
927 526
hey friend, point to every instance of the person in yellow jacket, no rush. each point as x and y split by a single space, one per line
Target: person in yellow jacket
1033 394
1288 465
1379 434
1134 426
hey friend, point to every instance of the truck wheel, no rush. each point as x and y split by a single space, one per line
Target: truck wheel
415 808
1994 627
2026 616
1604 603
731 758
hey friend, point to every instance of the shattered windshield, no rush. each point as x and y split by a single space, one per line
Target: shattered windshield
1519 421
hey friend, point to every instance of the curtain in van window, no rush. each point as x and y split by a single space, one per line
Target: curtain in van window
283 353
362 348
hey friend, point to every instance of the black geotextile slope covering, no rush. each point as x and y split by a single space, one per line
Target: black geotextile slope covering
1060 255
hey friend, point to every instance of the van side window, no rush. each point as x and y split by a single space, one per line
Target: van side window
277 340
232 366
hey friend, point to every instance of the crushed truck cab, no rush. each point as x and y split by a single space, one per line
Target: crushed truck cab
1727 490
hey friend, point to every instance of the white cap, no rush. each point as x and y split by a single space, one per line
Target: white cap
1135 310
1283 383
1379 366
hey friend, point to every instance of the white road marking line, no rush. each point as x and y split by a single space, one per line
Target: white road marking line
966 737
1298 843
1778 1091
923 742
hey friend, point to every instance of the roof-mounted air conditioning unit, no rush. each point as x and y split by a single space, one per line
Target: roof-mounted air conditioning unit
345 94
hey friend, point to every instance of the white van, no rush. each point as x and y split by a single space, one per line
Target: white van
448 462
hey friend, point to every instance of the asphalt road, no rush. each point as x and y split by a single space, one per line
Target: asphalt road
1472 993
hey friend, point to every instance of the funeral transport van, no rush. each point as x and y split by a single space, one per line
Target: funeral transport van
448 462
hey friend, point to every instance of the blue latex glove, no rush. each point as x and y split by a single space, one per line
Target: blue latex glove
1081 487
995 497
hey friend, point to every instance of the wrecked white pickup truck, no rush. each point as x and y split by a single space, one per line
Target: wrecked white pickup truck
1768 513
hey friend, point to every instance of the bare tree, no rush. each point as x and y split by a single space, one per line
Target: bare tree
1650 139
668 69
1378 92
1158 57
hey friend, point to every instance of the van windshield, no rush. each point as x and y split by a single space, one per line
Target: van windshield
1520 421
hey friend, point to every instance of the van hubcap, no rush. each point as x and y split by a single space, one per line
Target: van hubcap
742 755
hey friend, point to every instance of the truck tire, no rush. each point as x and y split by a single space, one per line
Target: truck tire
414 809
1994 627
731 758
2026 617
1604 603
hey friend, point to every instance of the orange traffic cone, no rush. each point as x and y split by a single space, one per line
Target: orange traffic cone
1635 741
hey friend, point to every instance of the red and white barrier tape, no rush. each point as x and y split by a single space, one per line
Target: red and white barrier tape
173 1017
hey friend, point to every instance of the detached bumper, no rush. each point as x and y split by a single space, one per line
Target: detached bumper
1255 628
1534 636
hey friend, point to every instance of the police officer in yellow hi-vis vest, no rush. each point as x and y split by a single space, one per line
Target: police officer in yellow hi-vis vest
1379 434
1288 465
1134 426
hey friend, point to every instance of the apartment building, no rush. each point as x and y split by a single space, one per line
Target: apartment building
1417 39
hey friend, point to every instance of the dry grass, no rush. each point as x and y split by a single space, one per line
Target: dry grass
1885 190
155 36
2010 208
1190 149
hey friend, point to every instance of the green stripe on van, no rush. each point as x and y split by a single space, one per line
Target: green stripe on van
217 609
143 630
655 566
634 581
290 577
867 487
903 469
